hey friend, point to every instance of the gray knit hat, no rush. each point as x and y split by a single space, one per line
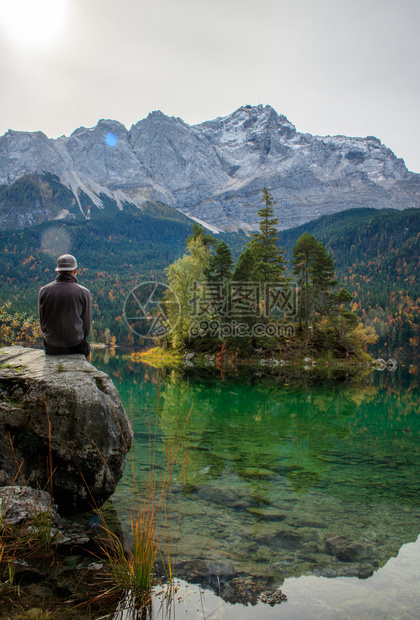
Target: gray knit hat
67 262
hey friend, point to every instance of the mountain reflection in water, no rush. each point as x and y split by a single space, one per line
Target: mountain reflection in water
282 480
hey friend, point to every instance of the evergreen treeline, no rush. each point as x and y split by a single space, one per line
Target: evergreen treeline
377 259
33 191
114 253
376 256
255 306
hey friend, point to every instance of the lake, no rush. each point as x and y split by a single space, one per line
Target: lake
311 488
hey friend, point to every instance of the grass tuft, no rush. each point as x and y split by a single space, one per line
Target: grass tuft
131 570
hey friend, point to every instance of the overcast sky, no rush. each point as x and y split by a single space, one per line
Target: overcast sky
331 66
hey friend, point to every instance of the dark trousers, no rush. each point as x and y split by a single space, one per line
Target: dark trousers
81 348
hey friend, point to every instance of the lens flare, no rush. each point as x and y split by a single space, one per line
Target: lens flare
56 242
111 139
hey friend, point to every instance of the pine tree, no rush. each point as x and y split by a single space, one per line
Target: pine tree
304 253
268 256
329 303
221 263
244 267
314 266
322 271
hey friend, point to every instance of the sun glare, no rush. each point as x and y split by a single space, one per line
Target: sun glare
33 25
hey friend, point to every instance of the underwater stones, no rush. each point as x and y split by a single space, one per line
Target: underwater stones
275 535
246 589
348 569
192 509
268 513
206 572
307 520
250 473
228 496
344 549
273 597
283 540
194 541
59 415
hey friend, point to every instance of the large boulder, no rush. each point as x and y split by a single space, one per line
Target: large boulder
62 427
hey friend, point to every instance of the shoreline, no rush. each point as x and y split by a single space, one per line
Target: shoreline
225 361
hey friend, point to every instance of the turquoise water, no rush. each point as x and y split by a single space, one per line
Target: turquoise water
310 488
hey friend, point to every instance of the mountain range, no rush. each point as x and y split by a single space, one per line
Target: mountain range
213 172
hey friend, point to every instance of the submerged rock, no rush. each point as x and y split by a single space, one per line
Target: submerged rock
229 496
247 589
62 427
345 549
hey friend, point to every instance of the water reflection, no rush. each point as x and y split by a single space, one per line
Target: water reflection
392 592
282 479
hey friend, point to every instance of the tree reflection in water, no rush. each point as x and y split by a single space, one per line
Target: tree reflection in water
275 468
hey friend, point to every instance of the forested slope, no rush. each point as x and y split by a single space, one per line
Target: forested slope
376 256
377 260
114 253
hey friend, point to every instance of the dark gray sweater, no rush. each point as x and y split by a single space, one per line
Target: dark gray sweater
65 311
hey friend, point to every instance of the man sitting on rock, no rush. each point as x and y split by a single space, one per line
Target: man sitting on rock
65 311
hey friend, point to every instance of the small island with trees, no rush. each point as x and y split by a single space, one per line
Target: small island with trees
259 310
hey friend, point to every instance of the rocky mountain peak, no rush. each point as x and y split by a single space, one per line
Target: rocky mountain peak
101 130
157 125
264 115
159 119
215 171
246 121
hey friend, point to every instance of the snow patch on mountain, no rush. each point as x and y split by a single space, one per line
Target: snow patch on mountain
209 227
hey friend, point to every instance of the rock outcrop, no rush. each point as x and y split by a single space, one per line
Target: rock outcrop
29 508
62 427
213 171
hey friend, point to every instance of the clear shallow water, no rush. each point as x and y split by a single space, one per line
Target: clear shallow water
273 472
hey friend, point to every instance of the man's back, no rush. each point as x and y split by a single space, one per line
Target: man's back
65 311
